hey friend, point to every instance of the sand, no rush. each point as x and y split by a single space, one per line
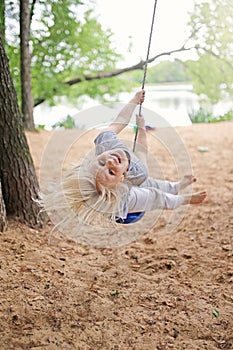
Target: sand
160 291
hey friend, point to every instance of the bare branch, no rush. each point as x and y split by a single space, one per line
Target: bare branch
114 73
110 74
171 52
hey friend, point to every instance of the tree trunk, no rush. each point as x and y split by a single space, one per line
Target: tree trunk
2 19
20 188
25 62
3 218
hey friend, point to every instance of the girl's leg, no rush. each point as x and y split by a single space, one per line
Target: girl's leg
172 187
194 198
186 181
162 185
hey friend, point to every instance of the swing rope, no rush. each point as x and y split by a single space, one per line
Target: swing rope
145 69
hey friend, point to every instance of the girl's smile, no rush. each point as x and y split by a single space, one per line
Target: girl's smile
110 167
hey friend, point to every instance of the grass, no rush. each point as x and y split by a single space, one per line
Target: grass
202 116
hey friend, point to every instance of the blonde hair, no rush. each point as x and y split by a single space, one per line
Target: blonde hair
77 195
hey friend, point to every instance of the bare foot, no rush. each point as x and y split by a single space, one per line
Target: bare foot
195 198
187 180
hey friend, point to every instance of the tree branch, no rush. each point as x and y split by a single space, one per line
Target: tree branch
114 73
192 71
110 74
32 9
210 52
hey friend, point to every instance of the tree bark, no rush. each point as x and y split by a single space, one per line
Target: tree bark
2 19
20 188
25 62
3 218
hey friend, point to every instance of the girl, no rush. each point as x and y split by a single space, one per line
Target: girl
114 181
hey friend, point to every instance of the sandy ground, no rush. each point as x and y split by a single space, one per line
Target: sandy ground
162 291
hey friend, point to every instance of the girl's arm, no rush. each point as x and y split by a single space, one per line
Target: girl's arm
141 146
123 118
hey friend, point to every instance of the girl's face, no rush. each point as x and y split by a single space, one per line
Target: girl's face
110 167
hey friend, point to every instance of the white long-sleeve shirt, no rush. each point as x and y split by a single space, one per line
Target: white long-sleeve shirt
146 193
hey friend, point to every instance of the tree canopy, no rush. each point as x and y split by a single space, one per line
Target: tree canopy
211 23
72 55
165 72
67 41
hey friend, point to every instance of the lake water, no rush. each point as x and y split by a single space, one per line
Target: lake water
171 102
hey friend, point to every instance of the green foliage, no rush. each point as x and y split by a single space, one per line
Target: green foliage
211 25
101 90
67 42
70 49
40 127
67 123
204 70
164 72
200 116
203 116
167 71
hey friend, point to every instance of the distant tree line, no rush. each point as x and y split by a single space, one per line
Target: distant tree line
165 72
60 48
